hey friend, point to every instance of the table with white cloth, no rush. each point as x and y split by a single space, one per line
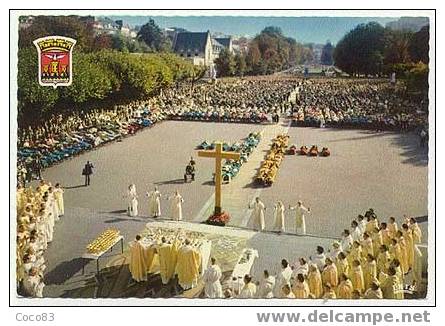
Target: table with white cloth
242 267
97 255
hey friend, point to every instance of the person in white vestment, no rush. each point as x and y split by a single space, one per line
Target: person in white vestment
58 194
258 214
266 286
319 258
154 203
356 234
52 204
211 278
282 278
176 206
300 220
279 217
137 266
32 284
49 222
249 289
361 223
132 197
336 249
346 241
300 267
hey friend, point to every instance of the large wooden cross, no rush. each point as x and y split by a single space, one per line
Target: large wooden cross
218 154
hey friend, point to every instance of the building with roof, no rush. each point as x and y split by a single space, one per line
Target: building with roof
200 47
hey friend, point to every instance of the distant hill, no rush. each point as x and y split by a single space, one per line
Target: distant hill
413 24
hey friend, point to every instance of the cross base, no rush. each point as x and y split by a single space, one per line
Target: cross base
218 210
219 219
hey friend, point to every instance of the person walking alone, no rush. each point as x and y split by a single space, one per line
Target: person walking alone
87 172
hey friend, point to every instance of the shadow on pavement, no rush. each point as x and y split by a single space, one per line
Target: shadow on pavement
119 211
75 187
65 270
170 182
123 219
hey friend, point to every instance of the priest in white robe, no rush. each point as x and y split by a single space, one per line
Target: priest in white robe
300 267
154 203
279 217
176 206
300 220
138 268
266 286
282 278
132 198
249 289
58 194
212 280
258 214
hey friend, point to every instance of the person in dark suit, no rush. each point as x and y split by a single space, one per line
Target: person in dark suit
87 172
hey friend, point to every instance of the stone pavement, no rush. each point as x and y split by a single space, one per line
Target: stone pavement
241 191
386 171
65 277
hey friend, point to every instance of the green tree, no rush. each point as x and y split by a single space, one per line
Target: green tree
119 43
240 63
326 54
70 26
225 63
397 47
152 35
91 81
33 99
419 45
361 50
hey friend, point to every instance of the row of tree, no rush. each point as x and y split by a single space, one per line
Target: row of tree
269 52
150 37
371 49
100 76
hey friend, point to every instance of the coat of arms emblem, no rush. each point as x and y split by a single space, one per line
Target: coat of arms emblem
55 60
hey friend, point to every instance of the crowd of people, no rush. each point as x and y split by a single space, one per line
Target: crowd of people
372 261
37 212
368 104
313 102
66 135
241 101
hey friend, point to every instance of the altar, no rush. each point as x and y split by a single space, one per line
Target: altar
152 240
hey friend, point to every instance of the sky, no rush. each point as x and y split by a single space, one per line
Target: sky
303 29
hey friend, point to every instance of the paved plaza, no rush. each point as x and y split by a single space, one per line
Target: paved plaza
386 171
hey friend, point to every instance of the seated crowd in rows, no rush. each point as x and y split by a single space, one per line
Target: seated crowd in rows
252 101
66 135
358 104
320 102
37 211
371 261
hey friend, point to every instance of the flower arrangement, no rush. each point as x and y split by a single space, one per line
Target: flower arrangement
219 219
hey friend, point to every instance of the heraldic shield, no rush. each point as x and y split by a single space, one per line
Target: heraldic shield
55 60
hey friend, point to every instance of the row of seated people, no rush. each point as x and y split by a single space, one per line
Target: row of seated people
269 167
369 104
63 137
373 260
313 151
37 212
